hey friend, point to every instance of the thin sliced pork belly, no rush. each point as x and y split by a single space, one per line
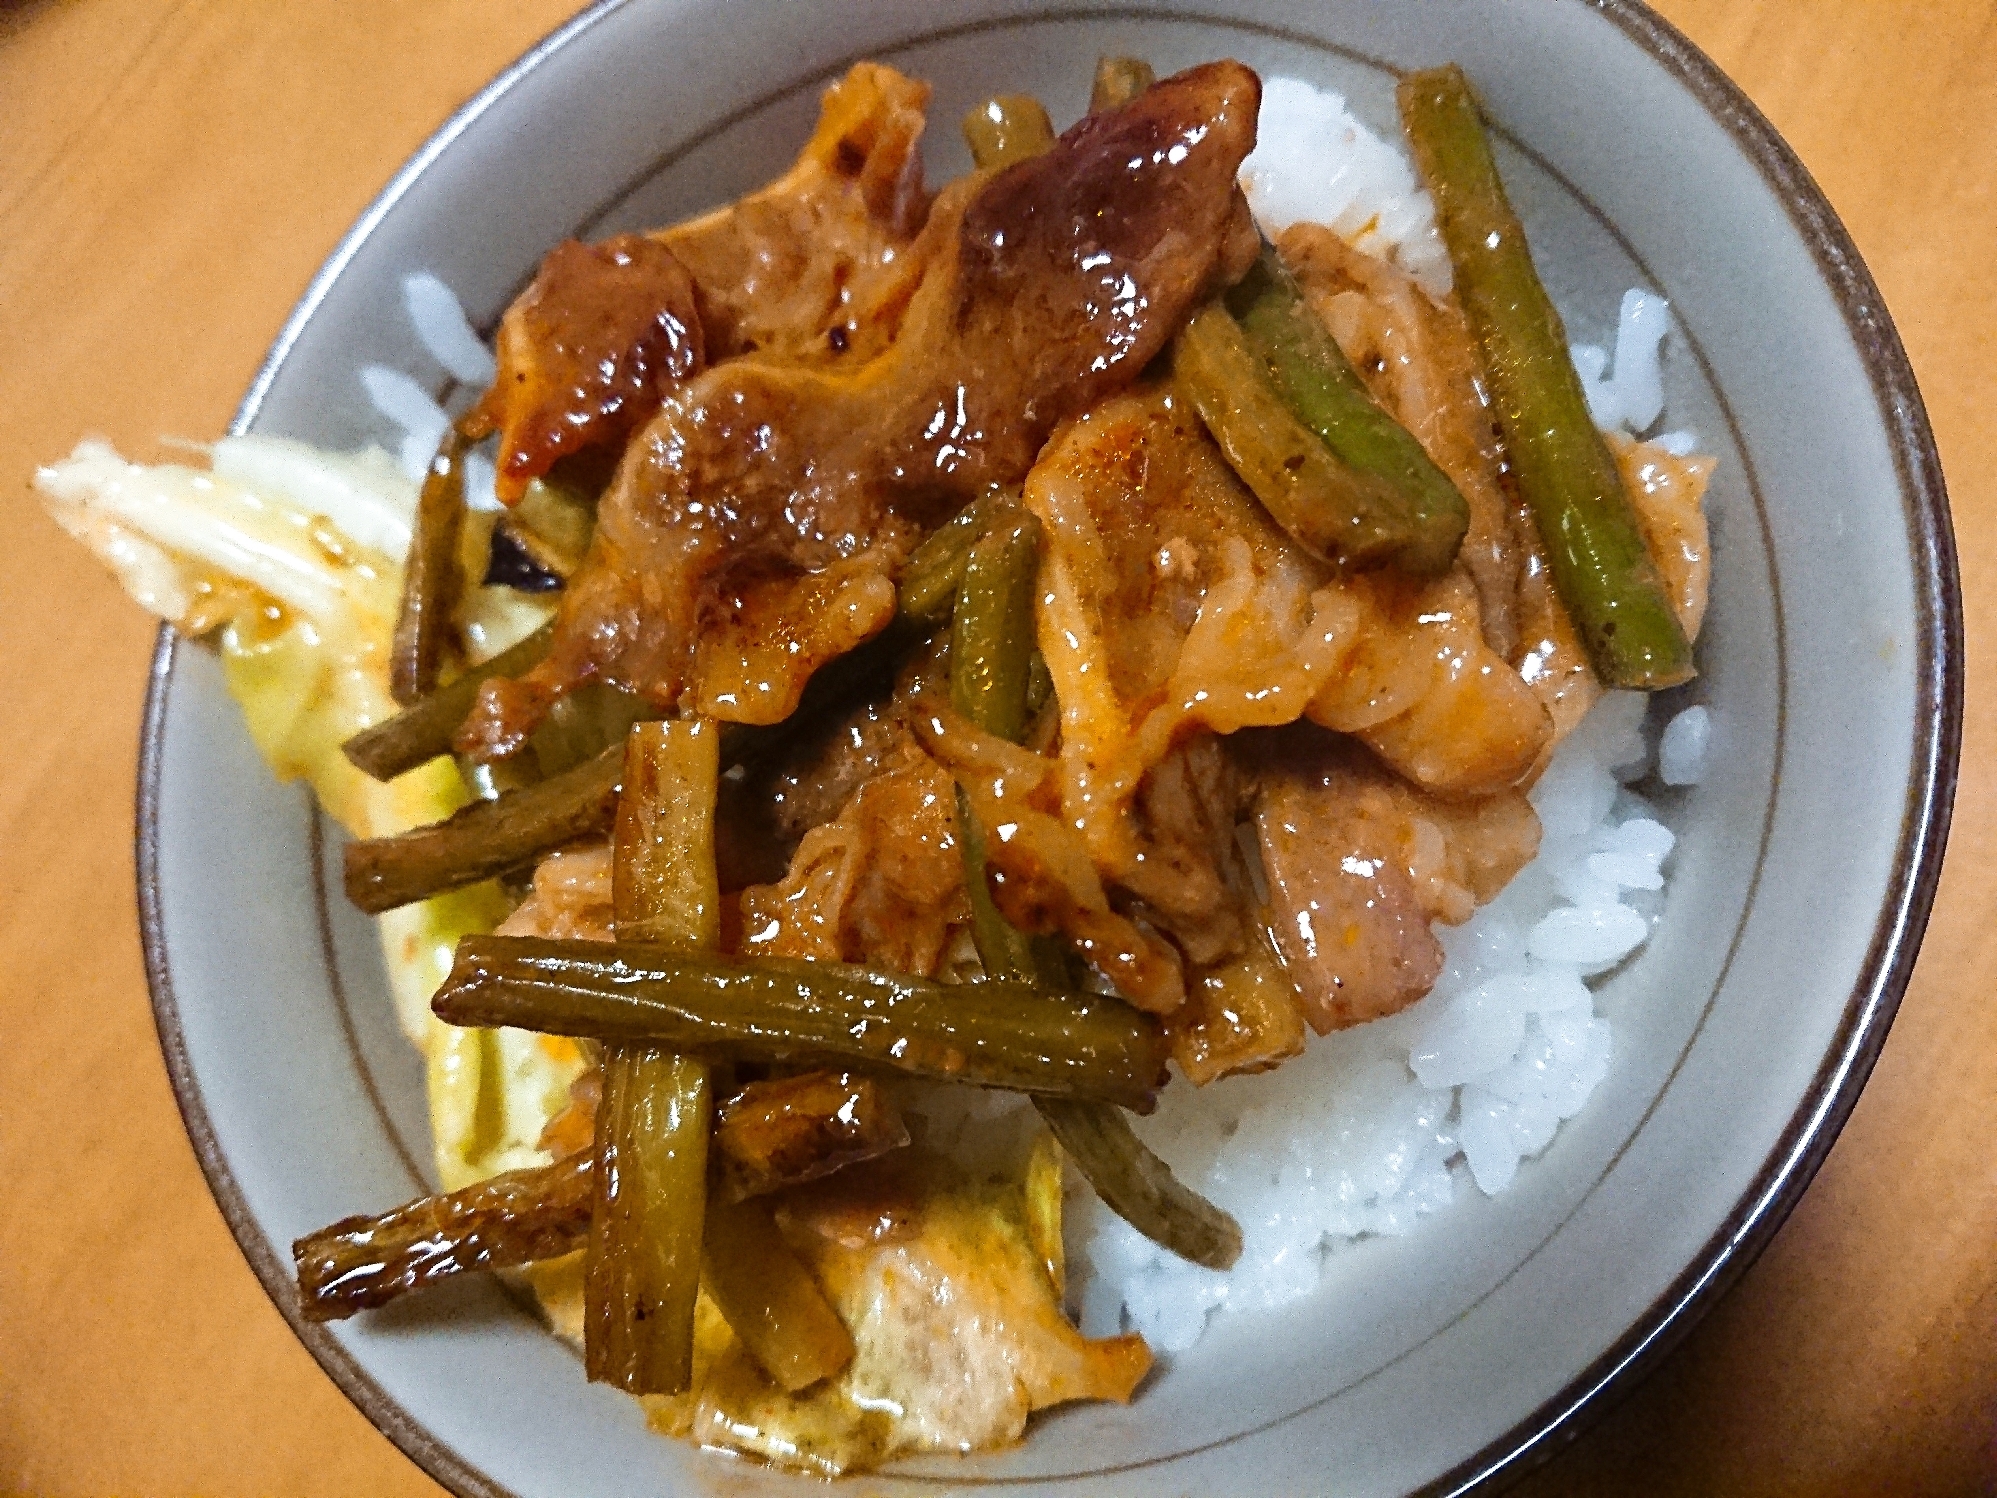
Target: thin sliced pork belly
1668 493
756 526
1359 864
1241 1015
1037 864
1172 602
586 354
882 883
816 267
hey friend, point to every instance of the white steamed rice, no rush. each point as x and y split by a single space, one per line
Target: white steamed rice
1374 1128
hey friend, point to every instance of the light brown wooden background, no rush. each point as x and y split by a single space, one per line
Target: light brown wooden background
170 176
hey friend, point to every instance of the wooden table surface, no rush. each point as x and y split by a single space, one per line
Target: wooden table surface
171 173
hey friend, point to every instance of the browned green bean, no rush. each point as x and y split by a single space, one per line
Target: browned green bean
486 838
1333 509
928 586
641 1276
1324 391
775 1010
516 1218
1595 546
769 1298
663 883
1118 81
1006 129
424 630
991 631
1138 1186
583 723
423 729
642 1270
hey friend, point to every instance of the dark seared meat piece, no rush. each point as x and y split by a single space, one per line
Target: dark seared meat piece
756 526
587 353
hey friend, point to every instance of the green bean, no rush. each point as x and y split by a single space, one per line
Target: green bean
769 1298
430 581
552 524
1006 952
1324 391
1601 567
491 837
991 650
1119 80
516 1218
1006 129
485 838
776 1010
1332 510
663 885
1138 1186
423 729
928 587
641 1273
991 632
583 722
990 683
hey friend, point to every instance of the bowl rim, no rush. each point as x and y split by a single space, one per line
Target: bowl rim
1868 1011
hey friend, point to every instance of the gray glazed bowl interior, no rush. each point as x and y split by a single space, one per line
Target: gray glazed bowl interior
1806 862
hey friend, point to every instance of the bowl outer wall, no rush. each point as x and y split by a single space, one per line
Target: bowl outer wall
1871 677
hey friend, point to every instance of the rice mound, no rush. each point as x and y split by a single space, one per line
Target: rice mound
1373 1128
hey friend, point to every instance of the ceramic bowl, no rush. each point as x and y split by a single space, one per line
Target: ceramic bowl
1744 1031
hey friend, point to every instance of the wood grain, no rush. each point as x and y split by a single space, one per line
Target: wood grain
170 176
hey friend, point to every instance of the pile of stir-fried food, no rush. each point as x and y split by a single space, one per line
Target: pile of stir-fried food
1023 636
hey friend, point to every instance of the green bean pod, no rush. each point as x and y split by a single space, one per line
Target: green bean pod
1013 1036
582 723
516 1218
1595 547
1008 128
991 630
769 1298
641 1273
1324 391
663 882
1119 80
424 632
1334 511
423 729
1138 1186
485 838
990 685
928 587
